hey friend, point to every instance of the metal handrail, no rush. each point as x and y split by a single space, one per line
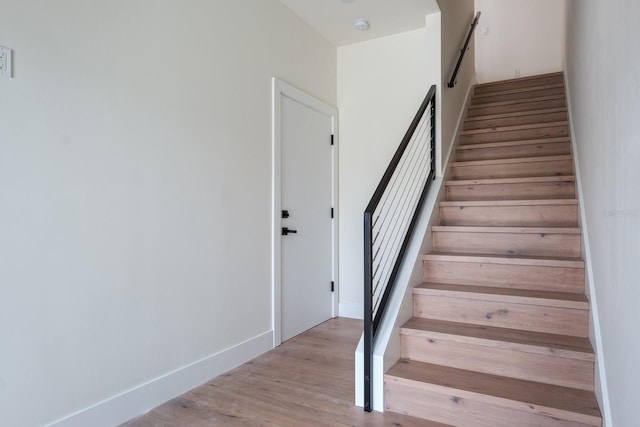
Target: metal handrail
416 166
474 24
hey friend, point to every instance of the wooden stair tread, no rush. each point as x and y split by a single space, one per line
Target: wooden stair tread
491 203
511 230
517 143
517 101
519 394
522 90
514 128
534 297
519 80
534 159
516 114
528 341
506 259
518 180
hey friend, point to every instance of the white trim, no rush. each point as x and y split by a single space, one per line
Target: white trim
144 397
351 310
460 123
281 89
594 313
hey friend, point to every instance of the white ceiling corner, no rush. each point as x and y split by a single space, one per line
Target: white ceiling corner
333 19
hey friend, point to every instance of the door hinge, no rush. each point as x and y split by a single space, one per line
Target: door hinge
331 213
332 141
333 286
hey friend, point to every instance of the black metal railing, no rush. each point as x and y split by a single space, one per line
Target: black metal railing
474 24
389 221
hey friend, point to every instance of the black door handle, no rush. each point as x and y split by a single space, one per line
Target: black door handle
286 231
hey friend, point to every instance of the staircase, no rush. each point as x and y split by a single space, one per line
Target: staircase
500 330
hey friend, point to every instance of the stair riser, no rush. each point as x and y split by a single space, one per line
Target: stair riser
540 278
517 191
512 152
446 405
529 244
516 135
513 170
517 107
503 314
516 121
484 89
513 363
487 99
510 216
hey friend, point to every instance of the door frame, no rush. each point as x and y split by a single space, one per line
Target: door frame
281 89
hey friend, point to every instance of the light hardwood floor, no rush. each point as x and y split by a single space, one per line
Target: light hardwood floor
307 381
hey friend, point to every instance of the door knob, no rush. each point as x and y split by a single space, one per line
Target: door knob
286 231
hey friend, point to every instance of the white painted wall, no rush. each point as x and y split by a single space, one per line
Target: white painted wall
523 34
603 60
456 20
135 153
381 84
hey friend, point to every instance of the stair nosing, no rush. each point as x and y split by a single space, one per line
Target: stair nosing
516 102
519 202
512 114
576 414
507 230
514 143
515 128
517 180
470 333
553 262
531 159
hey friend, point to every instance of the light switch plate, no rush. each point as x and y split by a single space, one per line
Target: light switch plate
6 67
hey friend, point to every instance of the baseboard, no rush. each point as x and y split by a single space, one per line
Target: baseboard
144 397
459 125
351 310
595 318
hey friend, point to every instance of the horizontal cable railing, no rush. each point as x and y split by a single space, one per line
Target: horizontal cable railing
474 24
390 218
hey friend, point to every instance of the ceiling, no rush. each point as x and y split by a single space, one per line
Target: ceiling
334 18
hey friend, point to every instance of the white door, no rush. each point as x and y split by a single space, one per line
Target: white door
306 228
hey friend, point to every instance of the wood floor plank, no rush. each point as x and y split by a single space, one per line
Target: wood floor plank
308 380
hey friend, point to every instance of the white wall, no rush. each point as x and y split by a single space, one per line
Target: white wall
456 22
603 63
381 84
523 34
135 189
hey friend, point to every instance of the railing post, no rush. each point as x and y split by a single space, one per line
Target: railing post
368 311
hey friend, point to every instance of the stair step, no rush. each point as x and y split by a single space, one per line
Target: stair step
516 133
559 313
520 167
520 93
523 241
531 104
546 187
514 149
552 359
464 398
516 119
512 272
522 82
510 213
